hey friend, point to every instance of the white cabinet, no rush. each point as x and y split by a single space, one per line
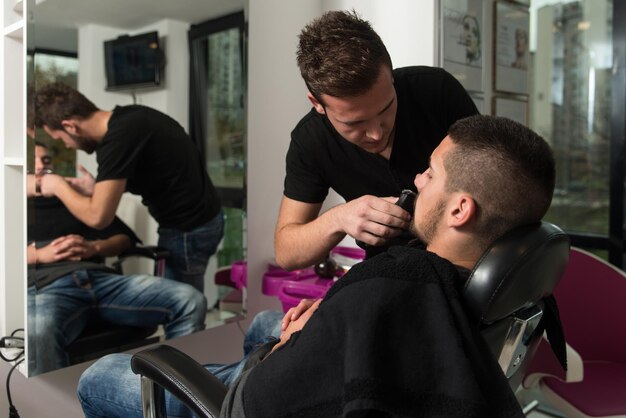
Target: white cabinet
12 172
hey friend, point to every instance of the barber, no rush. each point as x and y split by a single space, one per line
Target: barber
145 152
370 130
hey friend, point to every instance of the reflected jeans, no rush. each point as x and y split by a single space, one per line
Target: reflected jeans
109 388
189 251
59 312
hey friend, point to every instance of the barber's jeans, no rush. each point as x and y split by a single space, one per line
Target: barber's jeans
59 312
190 251
109 388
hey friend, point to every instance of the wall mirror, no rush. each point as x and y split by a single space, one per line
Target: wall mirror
203 88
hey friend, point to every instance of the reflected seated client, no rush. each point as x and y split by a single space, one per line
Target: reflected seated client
68 281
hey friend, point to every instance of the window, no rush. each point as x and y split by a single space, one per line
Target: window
54 66
218 118
573 106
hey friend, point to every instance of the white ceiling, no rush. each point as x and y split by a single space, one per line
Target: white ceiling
128 14
55 22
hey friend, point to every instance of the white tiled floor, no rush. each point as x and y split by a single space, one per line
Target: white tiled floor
216 315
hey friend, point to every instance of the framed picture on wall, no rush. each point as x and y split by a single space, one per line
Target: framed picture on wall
512 59
512 108
462 41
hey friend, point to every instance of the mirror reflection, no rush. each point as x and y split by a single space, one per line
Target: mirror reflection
136 222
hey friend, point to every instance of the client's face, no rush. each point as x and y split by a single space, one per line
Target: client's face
430 203
43 160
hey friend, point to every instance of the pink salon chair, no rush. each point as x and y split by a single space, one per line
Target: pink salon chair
233 277
592 304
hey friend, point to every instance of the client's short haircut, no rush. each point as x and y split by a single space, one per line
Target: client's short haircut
507 168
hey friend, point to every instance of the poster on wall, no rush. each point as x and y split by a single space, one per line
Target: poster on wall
512 108
462 41
512 59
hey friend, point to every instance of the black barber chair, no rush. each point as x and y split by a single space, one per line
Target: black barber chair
503 295
99 337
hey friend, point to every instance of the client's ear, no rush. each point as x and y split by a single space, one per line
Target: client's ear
461 211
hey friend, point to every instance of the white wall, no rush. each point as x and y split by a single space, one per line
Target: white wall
92 83
276 96
407 27
276 101
171 98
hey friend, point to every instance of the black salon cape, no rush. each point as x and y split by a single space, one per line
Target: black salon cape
390 339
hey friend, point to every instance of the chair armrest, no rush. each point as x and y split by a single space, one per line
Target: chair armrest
148 251
158 254
182 376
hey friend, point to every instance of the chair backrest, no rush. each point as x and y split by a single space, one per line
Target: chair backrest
505 290
592 304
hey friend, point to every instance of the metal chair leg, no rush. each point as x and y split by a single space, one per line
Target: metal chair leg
152 399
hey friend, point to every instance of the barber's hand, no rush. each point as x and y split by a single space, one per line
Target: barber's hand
69 247
49 183
83 184
31 185
297 325
373 220
294 313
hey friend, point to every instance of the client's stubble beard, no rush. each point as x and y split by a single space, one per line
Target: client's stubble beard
426 227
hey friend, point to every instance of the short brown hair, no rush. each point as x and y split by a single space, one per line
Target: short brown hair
507 168
339 54
57 102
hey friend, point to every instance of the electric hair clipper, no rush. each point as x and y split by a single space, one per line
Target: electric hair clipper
407 202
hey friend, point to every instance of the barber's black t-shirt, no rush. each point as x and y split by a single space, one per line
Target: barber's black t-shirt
159 162
429 101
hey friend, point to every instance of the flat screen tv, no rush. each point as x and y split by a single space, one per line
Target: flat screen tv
133 61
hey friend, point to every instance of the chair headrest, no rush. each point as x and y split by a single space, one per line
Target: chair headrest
519 269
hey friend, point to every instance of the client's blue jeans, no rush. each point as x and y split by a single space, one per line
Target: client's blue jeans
110 389
190 251
59 312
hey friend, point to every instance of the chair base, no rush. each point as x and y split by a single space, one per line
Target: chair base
602 392
535 406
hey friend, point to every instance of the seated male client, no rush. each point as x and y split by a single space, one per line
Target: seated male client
391 338
68 282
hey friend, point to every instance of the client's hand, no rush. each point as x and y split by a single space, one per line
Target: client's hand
83 184
31 185
297 325
68 247
294 313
